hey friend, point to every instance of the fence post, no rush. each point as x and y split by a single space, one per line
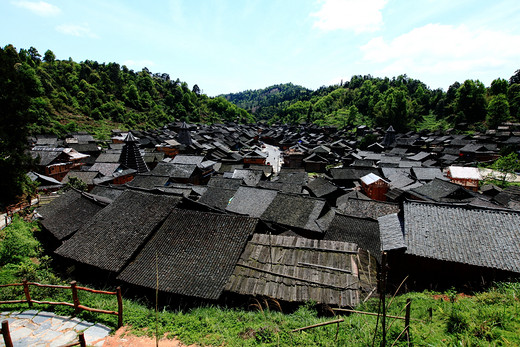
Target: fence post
407 318
26 291
119 308
383 296
5 332
81 338
75 299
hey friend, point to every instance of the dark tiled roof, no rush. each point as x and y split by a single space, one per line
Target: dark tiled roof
427 173
148 182
188 159
351 174
298 270
46 157
110 239
391 232
106 169
293 177
195 252
85 176
362 231
251 201
281 186
250 177
226 183
367 208
108 192
295 211
321 187
65 215
108 158
217 197
442 191
480 237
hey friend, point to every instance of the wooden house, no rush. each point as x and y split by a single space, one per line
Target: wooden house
449 245
468 177
255 157
293 157
315 163
56 162
375 187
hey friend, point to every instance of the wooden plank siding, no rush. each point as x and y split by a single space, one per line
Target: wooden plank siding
295 269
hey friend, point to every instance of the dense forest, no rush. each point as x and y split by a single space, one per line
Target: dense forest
70 96
403 102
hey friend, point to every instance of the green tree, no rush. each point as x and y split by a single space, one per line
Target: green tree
18 83
515 79
513 97
497 111
471 102
508 165
49 56
393 110
498 86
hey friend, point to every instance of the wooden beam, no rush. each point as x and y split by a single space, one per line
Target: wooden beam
318 325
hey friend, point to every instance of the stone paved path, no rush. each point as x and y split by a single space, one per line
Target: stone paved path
45 329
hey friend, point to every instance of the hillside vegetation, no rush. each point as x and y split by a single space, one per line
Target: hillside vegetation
69 96
403 102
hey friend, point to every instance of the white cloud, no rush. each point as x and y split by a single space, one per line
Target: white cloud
357 15
76 30
40 8
437 50
138 64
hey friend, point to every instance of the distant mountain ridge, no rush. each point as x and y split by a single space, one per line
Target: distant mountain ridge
403 102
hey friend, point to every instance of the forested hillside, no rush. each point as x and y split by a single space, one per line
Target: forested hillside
403 102
71 96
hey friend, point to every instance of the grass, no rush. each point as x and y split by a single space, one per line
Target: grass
486 318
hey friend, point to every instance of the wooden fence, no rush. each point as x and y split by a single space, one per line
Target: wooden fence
5 333
76 304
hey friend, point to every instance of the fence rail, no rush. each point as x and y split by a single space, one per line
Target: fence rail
76 303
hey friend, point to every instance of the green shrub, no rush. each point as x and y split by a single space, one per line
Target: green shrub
457 322
18 242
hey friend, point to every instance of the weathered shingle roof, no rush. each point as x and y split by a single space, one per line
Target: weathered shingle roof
298 270
217 197
148 182
196 253
362 231
226 183
251 201
427 173
85 176
321 187
65 215
441 191
391 232
480 237
110 239
351 173
108 192
295 211
367 208
250 177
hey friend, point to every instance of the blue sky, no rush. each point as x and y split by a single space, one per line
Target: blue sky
233 45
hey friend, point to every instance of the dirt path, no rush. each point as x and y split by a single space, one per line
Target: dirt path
122 338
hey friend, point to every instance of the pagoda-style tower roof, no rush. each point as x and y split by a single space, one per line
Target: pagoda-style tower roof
131 156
